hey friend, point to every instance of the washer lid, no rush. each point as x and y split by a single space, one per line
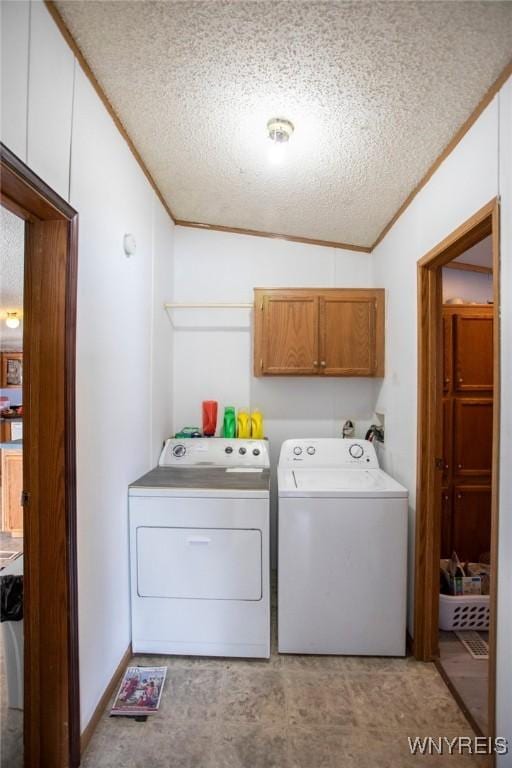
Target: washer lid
332 483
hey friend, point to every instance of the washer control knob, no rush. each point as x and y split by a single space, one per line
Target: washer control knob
242 450
311 450
256 452
179 450
356 451
297 450
229 449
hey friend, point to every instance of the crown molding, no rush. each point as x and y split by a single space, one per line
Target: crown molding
273 235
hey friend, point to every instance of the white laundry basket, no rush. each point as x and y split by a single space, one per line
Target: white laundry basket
463 612
12 636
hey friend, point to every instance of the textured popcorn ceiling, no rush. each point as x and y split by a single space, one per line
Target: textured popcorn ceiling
12 254
375 90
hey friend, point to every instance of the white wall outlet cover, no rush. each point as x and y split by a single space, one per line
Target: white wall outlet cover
129 244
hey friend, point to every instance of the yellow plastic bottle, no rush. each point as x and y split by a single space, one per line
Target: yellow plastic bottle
257 429
243 423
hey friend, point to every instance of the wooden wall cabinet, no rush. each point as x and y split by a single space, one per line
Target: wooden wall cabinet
467 430
12 486
12 369
319 332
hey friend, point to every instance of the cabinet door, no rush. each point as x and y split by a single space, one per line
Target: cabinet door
473 352
290 335
472 521
446 523
12 486
347 336
12 369
473 437
447 438
447 353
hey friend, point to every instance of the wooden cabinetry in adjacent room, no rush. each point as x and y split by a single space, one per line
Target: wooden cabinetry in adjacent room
11 374
12 486
467 430
319 332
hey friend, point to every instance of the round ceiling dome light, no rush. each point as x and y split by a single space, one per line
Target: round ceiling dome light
12 320
279 129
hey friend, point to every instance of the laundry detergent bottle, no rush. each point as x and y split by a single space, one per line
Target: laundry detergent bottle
243 423
257 429
229 423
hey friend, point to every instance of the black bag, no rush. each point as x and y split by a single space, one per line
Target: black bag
11 598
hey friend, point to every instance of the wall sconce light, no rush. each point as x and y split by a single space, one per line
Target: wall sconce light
12 320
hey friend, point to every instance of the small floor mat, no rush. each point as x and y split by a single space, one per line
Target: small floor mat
474 644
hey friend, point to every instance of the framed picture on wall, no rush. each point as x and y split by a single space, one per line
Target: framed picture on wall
12 369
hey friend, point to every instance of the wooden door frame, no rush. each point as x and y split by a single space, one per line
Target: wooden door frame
428 500
51 685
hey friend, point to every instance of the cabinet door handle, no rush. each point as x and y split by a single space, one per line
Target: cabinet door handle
459 466
323 363
460 380
459 495
315 363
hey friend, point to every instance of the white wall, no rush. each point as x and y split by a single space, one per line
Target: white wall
213 349
470 286
123 334
478 169
504 676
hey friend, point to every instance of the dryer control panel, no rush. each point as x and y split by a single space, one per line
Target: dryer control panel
215 452
329 452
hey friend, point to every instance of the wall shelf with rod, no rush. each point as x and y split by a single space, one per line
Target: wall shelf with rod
196 315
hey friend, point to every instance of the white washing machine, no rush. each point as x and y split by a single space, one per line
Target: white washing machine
199 550
342 566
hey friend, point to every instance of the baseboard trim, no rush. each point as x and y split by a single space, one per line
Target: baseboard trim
102 703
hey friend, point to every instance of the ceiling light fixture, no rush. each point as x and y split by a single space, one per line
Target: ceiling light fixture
279 132
279 129
12 320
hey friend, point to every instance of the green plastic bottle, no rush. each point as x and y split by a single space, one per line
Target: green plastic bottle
229 423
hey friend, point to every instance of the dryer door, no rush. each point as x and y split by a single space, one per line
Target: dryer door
199 563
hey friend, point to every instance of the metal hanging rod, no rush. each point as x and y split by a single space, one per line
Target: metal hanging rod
207 305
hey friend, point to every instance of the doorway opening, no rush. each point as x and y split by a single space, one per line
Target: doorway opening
50 686
458 451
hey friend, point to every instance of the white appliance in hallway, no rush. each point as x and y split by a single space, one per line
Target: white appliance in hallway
342 550
199 550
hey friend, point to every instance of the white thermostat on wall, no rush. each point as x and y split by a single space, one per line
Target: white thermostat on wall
129 244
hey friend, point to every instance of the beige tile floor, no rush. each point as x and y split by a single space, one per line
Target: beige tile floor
468 675
287 712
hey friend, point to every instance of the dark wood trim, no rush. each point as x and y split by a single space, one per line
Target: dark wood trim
462 265
70 40
51 732
457 138
34 199
430 365
273 235
103 702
